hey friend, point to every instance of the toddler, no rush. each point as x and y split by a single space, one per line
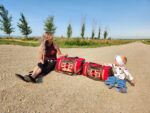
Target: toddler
121 74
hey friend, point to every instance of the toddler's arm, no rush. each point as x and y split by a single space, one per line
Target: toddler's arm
129 77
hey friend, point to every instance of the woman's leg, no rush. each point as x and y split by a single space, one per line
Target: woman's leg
40 68
36 71
49 67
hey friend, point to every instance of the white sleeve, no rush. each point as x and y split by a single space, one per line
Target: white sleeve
128 75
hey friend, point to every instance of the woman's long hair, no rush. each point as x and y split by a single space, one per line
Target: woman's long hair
44 41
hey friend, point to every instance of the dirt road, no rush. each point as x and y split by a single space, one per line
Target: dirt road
59 93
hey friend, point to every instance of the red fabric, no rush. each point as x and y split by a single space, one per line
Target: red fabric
107 72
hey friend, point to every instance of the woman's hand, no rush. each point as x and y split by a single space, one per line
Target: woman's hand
65 55
41 55
59 52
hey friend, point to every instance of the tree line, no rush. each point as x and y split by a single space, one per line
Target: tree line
49 26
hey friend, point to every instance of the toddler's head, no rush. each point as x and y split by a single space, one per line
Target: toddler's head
120 60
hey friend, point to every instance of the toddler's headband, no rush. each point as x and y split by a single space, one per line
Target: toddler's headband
119 60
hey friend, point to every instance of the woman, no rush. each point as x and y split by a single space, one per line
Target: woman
48 51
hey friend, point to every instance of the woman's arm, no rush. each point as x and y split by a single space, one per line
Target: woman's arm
41 54
59 51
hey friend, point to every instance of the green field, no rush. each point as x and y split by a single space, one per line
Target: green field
147 41
19 41
69 43
85 43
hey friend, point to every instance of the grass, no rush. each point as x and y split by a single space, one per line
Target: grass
69 43
85 43
65 43
22 42
146 41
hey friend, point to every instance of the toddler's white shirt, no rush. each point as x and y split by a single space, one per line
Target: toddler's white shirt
121 72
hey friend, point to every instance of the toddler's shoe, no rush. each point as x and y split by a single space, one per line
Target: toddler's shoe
110 87
122 90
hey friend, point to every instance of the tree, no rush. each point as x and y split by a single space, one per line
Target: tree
93 28
49 25
82 30
69 31
99 33
23 26
82 27
105 34
93 34
5 21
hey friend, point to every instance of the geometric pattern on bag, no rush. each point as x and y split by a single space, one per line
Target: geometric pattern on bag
96 71
69 65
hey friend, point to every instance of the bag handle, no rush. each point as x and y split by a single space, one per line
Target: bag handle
97 66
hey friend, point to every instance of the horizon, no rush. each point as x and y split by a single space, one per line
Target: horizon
122 19
39 36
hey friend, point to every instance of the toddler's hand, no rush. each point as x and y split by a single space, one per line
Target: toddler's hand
132 82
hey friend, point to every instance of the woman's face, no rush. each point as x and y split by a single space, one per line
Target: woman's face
49 38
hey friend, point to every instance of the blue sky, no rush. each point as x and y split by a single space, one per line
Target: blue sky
122 18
